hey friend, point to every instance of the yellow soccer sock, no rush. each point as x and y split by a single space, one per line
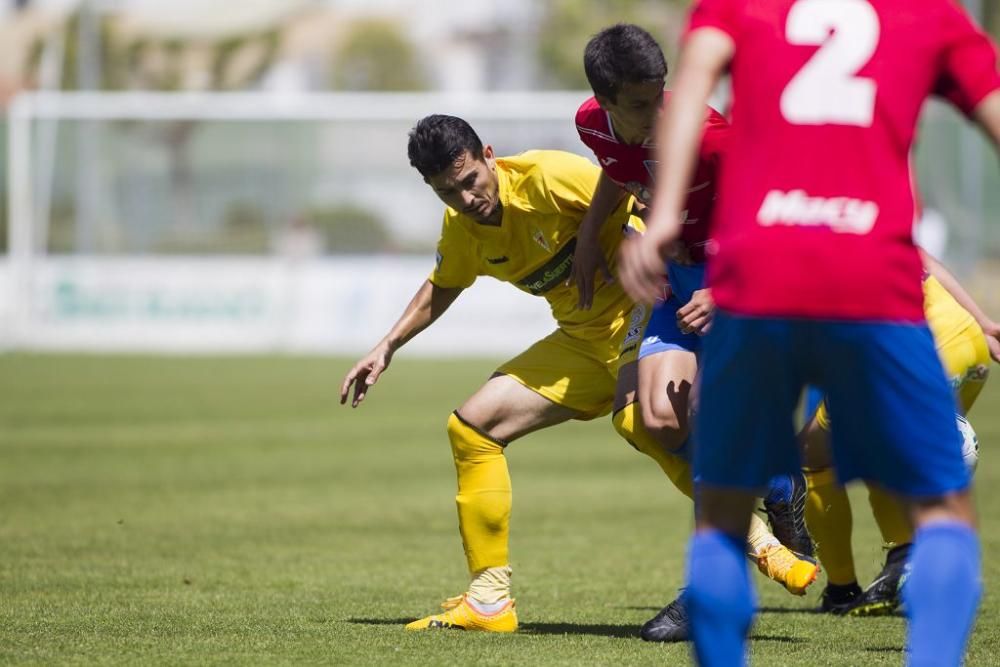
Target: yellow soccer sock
760 537
628 423
484 496
890 515
829 518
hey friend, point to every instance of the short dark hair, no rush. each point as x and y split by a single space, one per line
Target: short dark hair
620 54
438 140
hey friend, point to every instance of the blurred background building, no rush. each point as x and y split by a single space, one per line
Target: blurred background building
231 175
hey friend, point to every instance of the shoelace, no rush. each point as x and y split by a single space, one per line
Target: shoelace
781 558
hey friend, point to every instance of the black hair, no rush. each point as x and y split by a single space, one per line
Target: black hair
620 54
437 141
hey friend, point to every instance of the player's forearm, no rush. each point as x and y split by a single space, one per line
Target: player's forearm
607 196
987 114
428 304
955 289
681 126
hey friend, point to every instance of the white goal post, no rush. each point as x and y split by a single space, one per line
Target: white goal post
143 299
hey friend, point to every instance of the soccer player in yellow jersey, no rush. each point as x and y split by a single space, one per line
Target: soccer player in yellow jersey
516 219
966 338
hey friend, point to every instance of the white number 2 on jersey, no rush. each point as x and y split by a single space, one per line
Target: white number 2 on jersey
827 88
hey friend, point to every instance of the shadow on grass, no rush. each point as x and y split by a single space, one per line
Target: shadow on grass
781 639
761 610
606 630
789 610
884 649
600 629
380 621
616 631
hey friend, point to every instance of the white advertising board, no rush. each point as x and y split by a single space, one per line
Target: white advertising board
242 305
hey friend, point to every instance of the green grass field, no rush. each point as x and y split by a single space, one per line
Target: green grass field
159 510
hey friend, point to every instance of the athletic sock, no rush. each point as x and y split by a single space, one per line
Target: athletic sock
490 589
484 496
780 489
760 538
829 519
942 593
890 515
719 598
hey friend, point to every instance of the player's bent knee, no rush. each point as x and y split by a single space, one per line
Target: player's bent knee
663 419
468 442
629 426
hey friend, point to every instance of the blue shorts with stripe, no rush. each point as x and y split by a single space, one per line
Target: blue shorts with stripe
891 406
662 332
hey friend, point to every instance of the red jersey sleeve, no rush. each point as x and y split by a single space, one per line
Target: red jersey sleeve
585 122
715 138
720 14
968 62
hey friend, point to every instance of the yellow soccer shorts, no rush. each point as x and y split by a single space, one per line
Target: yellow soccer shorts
580 373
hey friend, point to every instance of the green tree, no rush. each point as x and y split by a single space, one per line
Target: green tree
567 25
377 55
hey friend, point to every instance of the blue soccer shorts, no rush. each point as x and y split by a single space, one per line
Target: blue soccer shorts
891 406
662 331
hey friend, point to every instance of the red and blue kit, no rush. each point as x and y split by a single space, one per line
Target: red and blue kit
815 271
633 167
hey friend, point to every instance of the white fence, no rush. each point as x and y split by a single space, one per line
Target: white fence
103 187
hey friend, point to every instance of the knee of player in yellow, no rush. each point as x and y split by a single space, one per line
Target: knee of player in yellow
484 495
629 426
890 515
830 522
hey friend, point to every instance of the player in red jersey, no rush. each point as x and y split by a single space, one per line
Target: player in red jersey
626 70
817 280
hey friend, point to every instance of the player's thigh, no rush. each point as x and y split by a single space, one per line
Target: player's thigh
892 410
667 363
505 409
750 387
563 377
666 382
624 365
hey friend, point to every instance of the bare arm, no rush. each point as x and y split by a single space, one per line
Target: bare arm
424 308
964 299
705 56
987 114
589 258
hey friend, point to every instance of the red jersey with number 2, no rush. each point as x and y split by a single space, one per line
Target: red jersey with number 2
633 167
816 210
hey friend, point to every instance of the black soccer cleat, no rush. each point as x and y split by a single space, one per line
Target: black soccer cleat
840 600
882 597
670 625
785 505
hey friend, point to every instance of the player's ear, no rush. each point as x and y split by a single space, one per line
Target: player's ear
488 156
603 101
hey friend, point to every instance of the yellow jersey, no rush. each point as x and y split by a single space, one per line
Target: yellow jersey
544 196
945 316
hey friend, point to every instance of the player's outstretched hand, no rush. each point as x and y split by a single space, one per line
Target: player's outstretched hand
588 259
695 316
641 269
992 331
364 374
